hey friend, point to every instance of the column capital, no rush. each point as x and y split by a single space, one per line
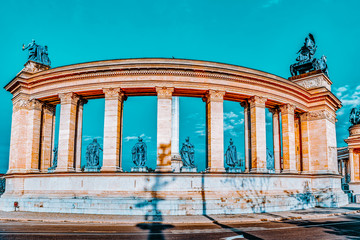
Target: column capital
49 109
215 96
274 111
287 109
82 102
244 104
257 101
69 98
113 93
164 92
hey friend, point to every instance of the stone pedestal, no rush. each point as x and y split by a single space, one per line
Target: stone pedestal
233 170
188 169
92 169
139 169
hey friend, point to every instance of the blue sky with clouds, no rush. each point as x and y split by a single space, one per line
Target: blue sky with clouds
263 34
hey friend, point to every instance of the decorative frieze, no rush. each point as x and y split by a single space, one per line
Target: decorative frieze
34 67
164 92
317 115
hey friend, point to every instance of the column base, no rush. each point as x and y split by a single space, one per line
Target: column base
163 169
289 171
111 169
320 172
277 171
259 170
13 171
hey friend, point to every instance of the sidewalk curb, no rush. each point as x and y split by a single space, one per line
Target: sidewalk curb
203 221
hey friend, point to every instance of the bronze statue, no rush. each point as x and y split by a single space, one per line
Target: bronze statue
355 116
139 153
231 156
55 156
93 155
37 53
305 61
187 153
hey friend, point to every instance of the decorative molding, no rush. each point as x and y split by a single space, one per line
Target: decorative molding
274 111
321 114
314 82
257 101
164 92
34 67
35 104
354 130
215 96
21 104
68 98
287 109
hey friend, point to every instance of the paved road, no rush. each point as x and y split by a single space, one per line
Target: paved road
344 227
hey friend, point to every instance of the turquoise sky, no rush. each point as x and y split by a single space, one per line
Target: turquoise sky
264 35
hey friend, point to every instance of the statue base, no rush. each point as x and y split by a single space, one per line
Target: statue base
188 169
92 169
51 169
139 169
233 170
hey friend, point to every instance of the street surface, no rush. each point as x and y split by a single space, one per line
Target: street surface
342 227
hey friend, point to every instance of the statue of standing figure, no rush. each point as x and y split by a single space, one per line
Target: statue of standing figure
55 156
37 53
139 153
93 156
231 156
187 153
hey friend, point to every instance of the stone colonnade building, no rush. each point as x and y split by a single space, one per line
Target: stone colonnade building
353 166
305 176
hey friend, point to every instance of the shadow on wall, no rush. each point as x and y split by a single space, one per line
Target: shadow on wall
2 185
153 214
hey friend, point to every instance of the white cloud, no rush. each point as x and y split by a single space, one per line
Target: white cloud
144 137
358 88
230 115
90 138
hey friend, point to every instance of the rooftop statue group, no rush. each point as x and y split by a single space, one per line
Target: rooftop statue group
305 60
355 116
37 53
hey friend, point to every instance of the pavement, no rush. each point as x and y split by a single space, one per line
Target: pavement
307 214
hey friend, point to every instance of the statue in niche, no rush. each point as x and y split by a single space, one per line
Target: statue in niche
355 116
231 156
187 153
305 60
55 156
37 53
93 156
139 153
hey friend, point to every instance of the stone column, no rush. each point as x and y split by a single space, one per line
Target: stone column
176 162
164 100
47 136
67 132
114 98
276 139
297 144
247 132
288 138
215 130
258 134
79 126
305 146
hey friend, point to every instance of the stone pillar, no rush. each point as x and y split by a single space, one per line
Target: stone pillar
288 138
25 135
47 136
79 126
305 143
276 139
114 99
164 102
247 133
215 130
258 134
354 176
67 132
176 162
322 138
297 144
